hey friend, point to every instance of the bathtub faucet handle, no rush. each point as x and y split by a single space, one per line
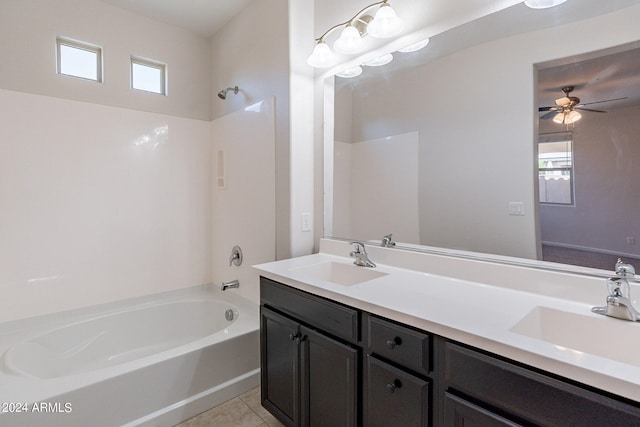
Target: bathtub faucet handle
236 256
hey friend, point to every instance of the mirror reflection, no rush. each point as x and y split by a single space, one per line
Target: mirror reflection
450 150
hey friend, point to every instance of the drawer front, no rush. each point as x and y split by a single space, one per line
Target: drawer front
460 413
524 393
394 397
399 344
323 314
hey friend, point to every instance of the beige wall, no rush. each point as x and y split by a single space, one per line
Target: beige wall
28 30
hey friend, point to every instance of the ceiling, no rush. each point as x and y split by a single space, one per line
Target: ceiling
203 17
599 76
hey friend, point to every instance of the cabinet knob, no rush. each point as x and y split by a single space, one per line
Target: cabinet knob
391 387
295 338
394 342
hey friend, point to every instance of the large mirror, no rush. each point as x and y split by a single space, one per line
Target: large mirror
446 147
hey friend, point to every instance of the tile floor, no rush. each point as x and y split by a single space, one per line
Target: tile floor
243 411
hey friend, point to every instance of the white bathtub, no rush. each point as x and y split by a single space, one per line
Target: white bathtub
152 361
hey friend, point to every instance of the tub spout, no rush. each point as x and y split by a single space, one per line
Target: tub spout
230 285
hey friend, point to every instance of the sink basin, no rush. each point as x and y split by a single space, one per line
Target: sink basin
339 273
607 337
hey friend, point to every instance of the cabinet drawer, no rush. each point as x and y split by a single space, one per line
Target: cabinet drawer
394 397
460 413
399 344
523 392
321 313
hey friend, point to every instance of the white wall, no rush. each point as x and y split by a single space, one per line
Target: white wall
252 51
376 188
101 201
463 107
28 30
244 211
98 203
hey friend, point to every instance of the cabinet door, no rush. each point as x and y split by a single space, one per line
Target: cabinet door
329 381
393 397
279 367
460 413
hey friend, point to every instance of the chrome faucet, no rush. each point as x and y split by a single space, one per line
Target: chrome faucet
387 242
230 285
619 303
360 255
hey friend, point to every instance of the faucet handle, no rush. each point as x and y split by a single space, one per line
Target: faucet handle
624 270
359 247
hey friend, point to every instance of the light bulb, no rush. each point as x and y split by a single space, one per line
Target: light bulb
385 24
558 118
415 46
351 72
321 57
349 41
381 60
573 116
543 4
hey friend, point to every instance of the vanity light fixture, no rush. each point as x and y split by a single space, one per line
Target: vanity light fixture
381 60
351 72
385 23
543 4
415 46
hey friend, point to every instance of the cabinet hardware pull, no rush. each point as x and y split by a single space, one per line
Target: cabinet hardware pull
295 338
391 387
394 342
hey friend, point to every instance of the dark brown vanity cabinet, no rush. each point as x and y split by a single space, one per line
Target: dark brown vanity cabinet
328 364
481 389
309 376
397 391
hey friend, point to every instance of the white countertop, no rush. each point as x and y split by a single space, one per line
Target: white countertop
483 312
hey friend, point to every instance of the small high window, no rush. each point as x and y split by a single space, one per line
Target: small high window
79 59
148 75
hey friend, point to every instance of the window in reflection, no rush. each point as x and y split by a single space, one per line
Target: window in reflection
555 168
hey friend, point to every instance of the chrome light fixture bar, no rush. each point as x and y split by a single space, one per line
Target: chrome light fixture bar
384 24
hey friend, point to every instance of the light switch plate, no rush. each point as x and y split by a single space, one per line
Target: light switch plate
516 208
306 221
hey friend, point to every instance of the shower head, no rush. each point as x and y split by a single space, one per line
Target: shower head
223 93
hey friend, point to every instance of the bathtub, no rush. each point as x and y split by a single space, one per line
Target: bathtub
152 361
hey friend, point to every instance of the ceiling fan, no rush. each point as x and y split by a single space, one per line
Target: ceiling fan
565 110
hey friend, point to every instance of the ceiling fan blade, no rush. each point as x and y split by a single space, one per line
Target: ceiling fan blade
547 108
589 109
606 100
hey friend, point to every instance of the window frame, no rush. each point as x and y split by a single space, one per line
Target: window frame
555 137
80 45
150 63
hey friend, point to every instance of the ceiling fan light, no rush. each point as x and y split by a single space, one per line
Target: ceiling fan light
543 4
385 23
321 57
349 41
572 117
559 118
